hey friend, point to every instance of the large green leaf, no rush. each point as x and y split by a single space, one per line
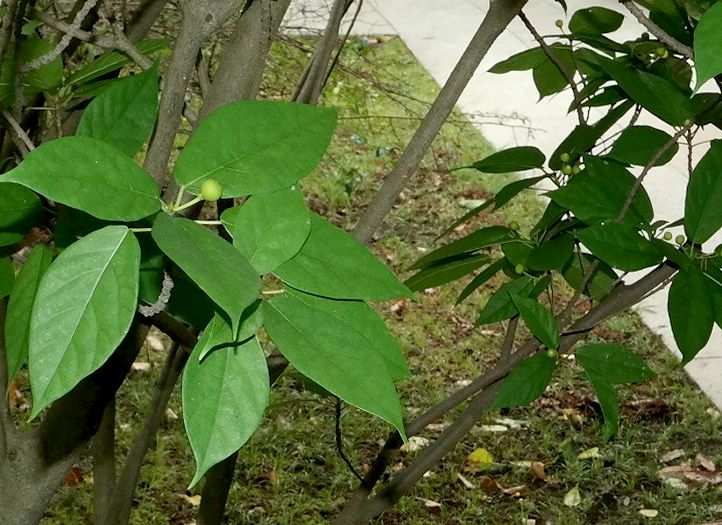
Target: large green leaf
527 381
224 395
522 61
20 209
620 246
44 78
363 319
213 264
599 193
333 354
707 45
7 276
251 323
552 254
595 20
499 307
609 402
691 311
702 209
17 322
511 190
519 158
124 114
333 263
547 77
89 175
112 61
654 93
256 146
83 308
637 145
269 228
539 320
483 276
482 238
446 270
613 363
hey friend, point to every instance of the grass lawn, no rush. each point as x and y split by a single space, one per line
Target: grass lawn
290 472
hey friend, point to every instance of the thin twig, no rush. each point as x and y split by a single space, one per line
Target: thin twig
339 443
657 31
548 51
343 40
508 346
21 139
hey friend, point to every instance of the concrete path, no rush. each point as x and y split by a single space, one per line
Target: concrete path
437 34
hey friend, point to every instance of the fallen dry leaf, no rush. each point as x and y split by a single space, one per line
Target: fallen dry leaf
193 500
468 484
432 506
672 455
74 477
155 342
572 498
480 458
516 491
490 485
537 468
705 463
493 428
649 513
415 443
589 453
702 478
511 423
140 366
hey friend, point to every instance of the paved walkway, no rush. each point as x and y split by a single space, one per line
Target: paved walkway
438 32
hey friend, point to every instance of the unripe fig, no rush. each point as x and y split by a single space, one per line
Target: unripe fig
567 169
679 239
565 157
661 52
519 268
211 190
667 236
576 169
551 353
559 23
514 225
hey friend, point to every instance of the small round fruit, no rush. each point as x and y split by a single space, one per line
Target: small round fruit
551 353
679 239
514 225
576 169
519 268
667 236
565 157
559 23
211 190
567 169
661 52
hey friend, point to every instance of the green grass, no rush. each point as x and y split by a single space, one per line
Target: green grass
290 473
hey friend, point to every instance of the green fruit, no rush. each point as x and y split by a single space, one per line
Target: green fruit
567 169
661 52
559 23
576 169
519 268
667 236
679 239
211 190
565 157
551 353
514 225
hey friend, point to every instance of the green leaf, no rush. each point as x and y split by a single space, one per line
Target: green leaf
250 323
707 43
112 61
334 264
45 78
7 276
517 251
256 146
526 382
334 355
483 276
552 254
702 210
657 95
520 158
539 320
601 282
17 322
270 228
446 270
363 319
522 61
224 396
500 307
609 402
638 144
613 363
547 77
511 190
124 114
83 308
89 175
595 20
691 311
482 238
598 193
620 246
20 209
213 264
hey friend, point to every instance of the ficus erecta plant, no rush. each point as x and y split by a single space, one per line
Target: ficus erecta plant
68 314
599 222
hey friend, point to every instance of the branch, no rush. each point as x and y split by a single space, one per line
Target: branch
559 64
6 423
657 31
20 138
103 452
498 17
122 42
508 346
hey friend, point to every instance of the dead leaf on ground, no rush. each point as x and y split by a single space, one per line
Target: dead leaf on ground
672 455
480 458
468 484
705 463
649 513
572 498
591 453
415 444
537 468
432 506
493 428
74 477
695 477
140 366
